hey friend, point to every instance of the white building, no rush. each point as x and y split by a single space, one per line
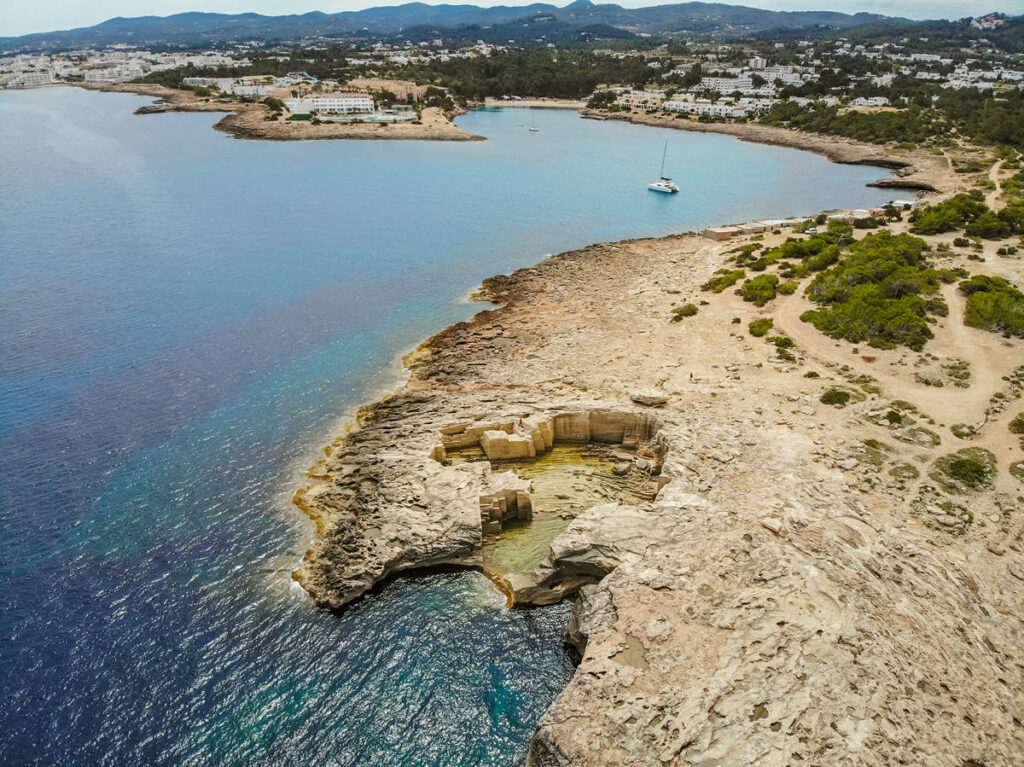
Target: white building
803 103
640 99
332 103
113 74
720 108
725 107
29 79
726 84
873 101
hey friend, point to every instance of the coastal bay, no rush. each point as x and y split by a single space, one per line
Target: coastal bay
176 368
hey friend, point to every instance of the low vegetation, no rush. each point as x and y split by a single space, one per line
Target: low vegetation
1017 427
686 310
724 279
972 468
948 216
814 253
760 328
993 304
915 124
970 213
881 293
759 290
976 116
835 397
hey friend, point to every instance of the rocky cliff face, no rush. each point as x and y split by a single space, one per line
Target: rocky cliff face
796 629
391 504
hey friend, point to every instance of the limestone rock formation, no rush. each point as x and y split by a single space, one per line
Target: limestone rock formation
801 590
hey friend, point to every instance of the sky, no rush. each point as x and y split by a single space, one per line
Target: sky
19 17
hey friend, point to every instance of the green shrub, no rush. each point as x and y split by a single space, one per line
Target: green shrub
950 215
788 288
936 305
823 259
874 294
988 226
968 471
759 290
725 279
894 416
867 223
812 374
961 431
971 468
781 342
686 310
1013 217
835 397
993 304
1017 424
759 328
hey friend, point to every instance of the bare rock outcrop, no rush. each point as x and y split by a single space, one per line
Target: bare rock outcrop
811 636
390 503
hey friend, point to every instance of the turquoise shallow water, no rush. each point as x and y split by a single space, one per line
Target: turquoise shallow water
185 320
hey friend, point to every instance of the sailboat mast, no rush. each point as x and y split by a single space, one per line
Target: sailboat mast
664 152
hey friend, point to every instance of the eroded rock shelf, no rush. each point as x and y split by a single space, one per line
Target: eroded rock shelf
786 597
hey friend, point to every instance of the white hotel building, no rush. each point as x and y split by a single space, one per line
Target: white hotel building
725 107
27 79
332 103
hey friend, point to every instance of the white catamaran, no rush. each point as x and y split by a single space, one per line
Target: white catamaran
664 183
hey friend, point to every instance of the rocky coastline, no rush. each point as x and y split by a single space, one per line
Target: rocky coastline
247 120
915 170
792 594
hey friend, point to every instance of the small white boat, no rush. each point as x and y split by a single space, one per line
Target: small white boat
664 184
533 128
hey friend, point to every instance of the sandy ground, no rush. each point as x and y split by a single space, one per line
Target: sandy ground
248 121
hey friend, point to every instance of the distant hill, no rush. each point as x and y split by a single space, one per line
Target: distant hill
580 19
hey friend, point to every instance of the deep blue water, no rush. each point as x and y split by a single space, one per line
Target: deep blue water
184 320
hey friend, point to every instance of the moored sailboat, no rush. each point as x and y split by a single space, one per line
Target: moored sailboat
664 184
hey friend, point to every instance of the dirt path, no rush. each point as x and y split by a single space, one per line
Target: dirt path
985 352
992 199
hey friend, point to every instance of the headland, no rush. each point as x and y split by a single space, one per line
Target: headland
812 580
252 120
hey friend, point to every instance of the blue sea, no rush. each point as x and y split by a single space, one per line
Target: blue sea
185 319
